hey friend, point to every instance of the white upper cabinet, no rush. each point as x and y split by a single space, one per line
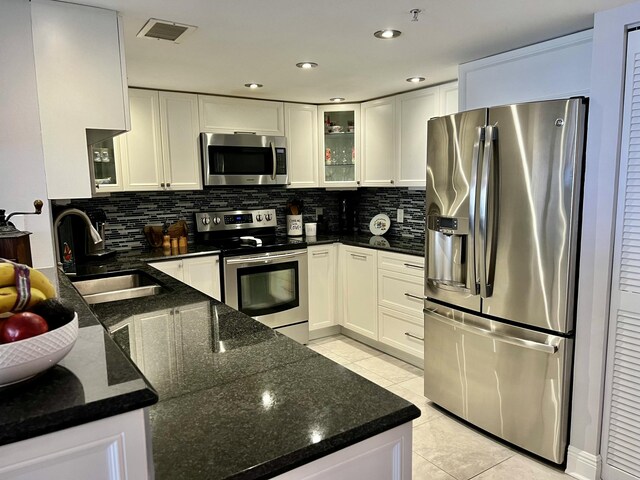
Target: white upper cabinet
301 130
414 109
240 115
141 148
339 145
161 150
179 134
80 71
378 142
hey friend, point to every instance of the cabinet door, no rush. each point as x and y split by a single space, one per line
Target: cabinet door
141 149
203 274
173 268
179 132
301 129
79 60
322 286
237 115
339 152
449 98
378 142
360 291
414 109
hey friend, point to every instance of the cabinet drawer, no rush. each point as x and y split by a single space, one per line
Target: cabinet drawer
401 292
398 262
404 332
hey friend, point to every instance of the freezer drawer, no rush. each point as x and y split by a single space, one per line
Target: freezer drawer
509 381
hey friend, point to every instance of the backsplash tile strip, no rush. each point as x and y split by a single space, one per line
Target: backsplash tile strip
127 213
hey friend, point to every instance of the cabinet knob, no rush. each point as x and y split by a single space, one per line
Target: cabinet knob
162 184
358 182
97 186
168 184
392 182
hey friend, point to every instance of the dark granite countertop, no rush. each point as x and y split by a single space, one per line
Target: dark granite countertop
237 399
94 381
407 245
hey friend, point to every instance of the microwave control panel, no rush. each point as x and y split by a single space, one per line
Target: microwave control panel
235 220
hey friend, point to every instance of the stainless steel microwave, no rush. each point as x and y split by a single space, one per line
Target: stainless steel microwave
243 159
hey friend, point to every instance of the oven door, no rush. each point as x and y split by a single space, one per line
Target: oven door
270 287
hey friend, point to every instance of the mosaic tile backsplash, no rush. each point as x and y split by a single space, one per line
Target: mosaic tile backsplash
127 213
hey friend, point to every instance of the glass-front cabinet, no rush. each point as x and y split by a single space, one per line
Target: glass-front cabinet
339 145
105 166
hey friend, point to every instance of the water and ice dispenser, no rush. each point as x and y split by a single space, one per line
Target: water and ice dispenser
447 246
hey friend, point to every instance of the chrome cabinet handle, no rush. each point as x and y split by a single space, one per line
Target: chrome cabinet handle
520 342
409 265
408 334
415 297
362 257
273 153
246 133
320 254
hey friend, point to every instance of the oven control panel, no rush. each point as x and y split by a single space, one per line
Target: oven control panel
235 220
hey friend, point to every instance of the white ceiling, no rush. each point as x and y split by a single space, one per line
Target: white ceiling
241 41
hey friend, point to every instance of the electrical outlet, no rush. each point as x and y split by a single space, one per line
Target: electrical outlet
400 215
319 211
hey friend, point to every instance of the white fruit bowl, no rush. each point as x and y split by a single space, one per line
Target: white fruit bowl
25 358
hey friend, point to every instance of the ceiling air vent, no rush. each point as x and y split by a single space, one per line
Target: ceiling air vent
164 30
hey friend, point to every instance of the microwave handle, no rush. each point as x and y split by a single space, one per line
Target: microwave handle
273 153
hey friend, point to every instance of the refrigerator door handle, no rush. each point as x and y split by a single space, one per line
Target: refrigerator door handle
472 277
483 216
520 342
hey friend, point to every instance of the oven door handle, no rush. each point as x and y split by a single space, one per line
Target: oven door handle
264 259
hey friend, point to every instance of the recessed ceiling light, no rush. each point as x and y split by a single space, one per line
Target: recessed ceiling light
387 33
337 99
306 65
253 85
415 79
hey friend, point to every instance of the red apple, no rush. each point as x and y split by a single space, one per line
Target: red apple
22 325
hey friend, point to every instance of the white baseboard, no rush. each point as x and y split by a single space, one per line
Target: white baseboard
324 332
583 465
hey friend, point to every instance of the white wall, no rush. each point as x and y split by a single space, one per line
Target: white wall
22 177
558 68
605 118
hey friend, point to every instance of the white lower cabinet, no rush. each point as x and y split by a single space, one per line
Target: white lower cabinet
112 448
322 286
400 302
360 308
201 273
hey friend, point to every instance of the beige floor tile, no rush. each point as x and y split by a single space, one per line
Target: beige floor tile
369 375
425 470
522 468
324 351
390 368
457 449
351 350
428 411
415 385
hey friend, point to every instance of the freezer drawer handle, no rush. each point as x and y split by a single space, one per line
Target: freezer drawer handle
408 334
409 265
264 259
416 297
540 347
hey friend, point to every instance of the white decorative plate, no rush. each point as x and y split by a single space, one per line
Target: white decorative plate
25 358
380 224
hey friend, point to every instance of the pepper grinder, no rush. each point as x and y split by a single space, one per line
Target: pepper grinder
14 244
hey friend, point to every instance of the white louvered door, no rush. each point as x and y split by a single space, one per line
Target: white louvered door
621 425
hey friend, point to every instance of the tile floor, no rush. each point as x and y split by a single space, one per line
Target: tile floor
443 447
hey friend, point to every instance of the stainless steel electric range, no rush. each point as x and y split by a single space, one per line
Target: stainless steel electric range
265 274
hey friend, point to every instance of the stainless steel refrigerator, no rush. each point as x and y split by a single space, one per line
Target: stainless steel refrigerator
502 217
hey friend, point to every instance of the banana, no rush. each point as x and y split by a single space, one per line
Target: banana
38 280
9 295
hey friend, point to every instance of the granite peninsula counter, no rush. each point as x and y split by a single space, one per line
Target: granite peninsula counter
237 399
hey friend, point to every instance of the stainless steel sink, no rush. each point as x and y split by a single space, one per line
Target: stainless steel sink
117 287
